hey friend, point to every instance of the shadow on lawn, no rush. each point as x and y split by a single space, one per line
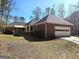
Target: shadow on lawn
30 37
34 39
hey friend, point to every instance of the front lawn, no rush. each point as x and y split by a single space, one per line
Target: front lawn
13 47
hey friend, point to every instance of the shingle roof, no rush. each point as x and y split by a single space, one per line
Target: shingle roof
32 22
53 19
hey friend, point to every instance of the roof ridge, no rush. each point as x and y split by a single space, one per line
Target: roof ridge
43 19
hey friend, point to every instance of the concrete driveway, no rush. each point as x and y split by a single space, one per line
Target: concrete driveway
72 39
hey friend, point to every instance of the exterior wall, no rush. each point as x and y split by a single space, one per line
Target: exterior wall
40 30
50 30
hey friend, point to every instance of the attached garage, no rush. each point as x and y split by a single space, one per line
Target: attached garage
52 26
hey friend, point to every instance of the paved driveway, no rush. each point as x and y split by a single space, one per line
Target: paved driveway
72 39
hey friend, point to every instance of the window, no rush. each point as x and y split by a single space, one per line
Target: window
27 28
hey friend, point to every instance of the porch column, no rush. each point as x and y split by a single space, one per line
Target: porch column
45 30
29 28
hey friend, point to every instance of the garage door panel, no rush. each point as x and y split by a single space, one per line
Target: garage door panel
62 31
60 27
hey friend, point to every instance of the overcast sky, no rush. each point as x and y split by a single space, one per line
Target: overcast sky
24 7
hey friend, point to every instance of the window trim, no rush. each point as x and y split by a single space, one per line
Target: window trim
28 28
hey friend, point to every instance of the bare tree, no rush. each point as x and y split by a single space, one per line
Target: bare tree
18 19
43 14
37 13
47 10
76 5
15 19
6 6
71 9
22 19
1 8
2 4
52 11
61 10
31 17
9 7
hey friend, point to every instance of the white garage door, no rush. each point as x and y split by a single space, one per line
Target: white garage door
62 31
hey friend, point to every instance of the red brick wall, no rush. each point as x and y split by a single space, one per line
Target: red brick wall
50 30
41 30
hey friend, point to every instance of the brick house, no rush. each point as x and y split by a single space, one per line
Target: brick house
50 26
